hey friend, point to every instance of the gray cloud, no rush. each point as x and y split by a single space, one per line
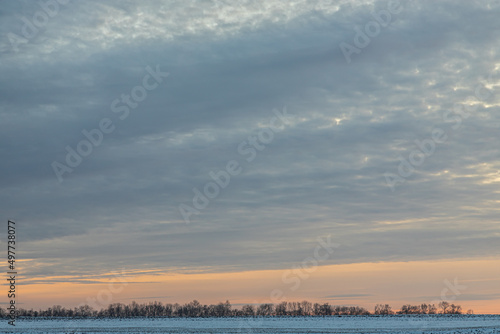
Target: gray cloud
229 68
348 296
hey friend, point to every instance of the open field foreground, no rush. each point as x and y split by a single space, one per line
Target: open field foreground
359 324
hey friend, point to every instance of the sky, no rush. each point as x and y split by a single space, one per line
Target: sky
335 151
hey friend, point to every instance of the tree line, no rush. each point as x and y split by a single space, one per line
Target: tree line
196 310
442 308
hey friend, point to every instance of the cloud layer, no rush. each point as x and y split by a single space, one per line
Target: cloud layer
230 65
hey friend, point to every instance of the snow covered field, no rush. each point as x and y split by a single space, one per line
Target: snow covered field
362 324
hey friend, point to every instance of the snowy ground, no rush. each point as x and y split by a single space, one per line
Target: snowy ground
395 324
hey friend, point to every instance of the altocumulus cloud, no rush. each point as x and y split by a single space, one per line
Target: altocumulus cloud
229 65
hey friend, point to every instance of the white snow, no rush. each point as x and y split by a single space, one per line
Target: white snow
395 324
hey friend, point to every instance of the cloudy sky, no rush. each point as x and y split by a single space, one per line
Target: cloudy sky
387 144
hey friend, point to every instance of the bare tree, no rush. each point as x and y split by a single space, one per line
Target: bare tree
432 309
444 306
248 310
265 309
381 309
281 309
306 307
455 309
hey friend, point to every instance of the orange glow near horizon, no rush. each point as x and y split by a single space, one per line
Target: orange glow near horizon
362 284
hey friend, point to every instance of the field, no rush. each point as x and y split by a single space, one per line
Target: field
361 324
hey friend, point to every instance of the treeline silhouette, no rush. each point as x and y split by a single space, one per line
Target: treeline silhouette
196 310
442 308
